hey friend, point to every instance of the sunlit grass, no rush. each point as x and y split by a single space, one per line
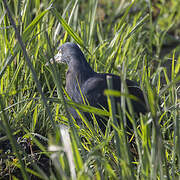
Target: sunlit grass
120 37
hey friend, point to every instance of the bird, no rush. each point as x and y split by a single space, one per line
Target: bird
82 80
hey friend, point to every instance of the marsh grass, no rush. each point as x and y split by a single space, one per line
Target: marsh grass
121 37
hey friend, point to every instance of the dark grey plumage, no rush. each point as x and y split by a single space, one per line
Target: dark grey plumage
92 84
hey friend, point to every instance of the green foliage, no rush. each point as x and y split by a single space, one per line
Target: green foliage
136 40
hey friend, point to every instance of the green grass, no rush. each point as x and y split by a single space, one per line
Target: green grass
135 40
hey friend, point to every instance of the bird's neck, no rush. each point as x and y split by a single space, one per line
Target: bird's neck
80 69
78 72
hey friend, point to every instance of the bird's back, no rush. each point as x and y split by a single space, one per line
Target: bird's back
94 88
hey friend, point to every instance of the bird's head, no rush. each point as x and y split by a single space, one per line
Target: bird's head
68 53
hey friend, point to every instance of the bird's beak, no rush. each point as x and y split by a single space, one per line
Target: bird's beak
57 59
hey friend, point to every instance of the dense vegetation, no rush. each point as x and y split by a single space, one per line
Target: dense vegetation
137 40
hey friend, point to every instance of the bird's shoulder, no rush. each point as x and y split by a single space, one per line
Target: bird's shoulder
94 83
93 89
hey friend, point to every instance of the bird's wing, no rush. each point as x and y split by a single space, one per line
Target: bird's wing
94 88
